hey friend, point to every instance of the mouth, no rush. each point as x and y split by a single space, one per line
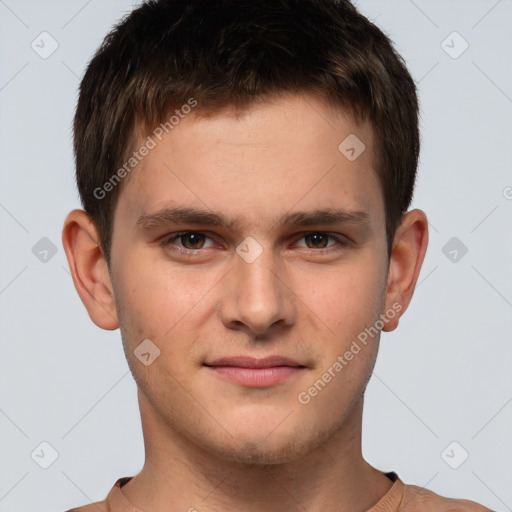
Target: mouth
254 372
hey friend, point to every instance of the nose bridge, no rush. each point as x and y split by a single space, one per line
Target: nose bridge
257 296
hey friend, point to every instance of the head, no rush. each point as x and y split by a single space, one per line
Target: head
232 119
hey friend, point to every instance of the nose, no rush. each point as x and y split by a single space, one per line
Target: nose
257 298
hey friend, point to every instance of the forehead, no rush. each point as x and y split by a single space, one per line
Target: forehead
293 150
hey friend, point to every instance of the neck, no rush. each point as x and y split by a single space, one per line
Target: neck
178 475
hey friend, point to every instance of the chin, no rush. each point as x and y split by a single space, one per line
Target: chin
261 453
278 446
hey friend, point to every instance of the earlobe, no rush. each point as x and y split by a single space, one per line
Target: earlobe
89 269
409 248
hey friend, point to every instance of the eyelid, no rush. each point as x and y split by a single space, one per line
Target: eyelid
167 240
332 236
340 239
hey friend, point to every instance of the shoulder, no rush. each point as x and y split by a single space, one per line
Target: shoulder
99 506
417 499
115 500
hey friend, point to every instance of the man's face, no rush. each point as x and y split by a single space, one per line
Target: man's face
298 291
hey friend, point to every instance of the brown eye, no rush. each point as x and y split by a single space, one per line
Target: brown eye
318 240
323 242
186 241
192 240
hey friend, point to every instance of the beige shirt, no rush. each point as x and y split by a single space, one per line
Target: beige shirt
400 498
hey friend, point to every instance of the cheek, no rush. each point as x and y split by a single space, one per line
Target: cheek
350 304
158 305
160 302
346 299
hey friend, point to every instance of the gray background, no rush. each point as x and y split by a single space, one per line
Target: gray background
443 376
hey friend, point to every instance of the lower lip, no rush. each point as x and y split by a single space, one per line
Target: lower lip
256 377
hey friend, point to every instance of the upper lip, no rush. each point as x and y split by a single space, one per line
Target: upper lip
253 362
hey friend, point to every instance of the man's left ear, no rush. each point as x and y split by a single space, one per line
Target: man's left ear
408 251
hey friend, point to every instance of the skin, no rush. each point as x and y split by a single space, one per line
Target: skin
212 444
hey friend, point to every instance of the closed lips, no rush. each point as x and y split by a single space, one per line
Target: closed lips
251 362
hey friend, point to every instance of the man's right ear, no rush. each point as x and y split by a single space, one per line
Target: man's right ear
89 269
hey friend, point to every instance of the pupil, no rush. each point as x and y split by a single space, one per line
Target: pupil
190 237
317 237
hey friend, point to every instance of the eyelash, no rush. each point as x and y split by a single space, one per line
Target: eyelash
168 241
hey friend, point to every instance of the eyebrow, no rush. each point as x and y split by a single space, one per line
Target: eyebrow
187 215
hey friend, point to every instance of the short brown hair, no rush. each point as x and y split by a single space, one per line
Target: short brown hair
235 53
